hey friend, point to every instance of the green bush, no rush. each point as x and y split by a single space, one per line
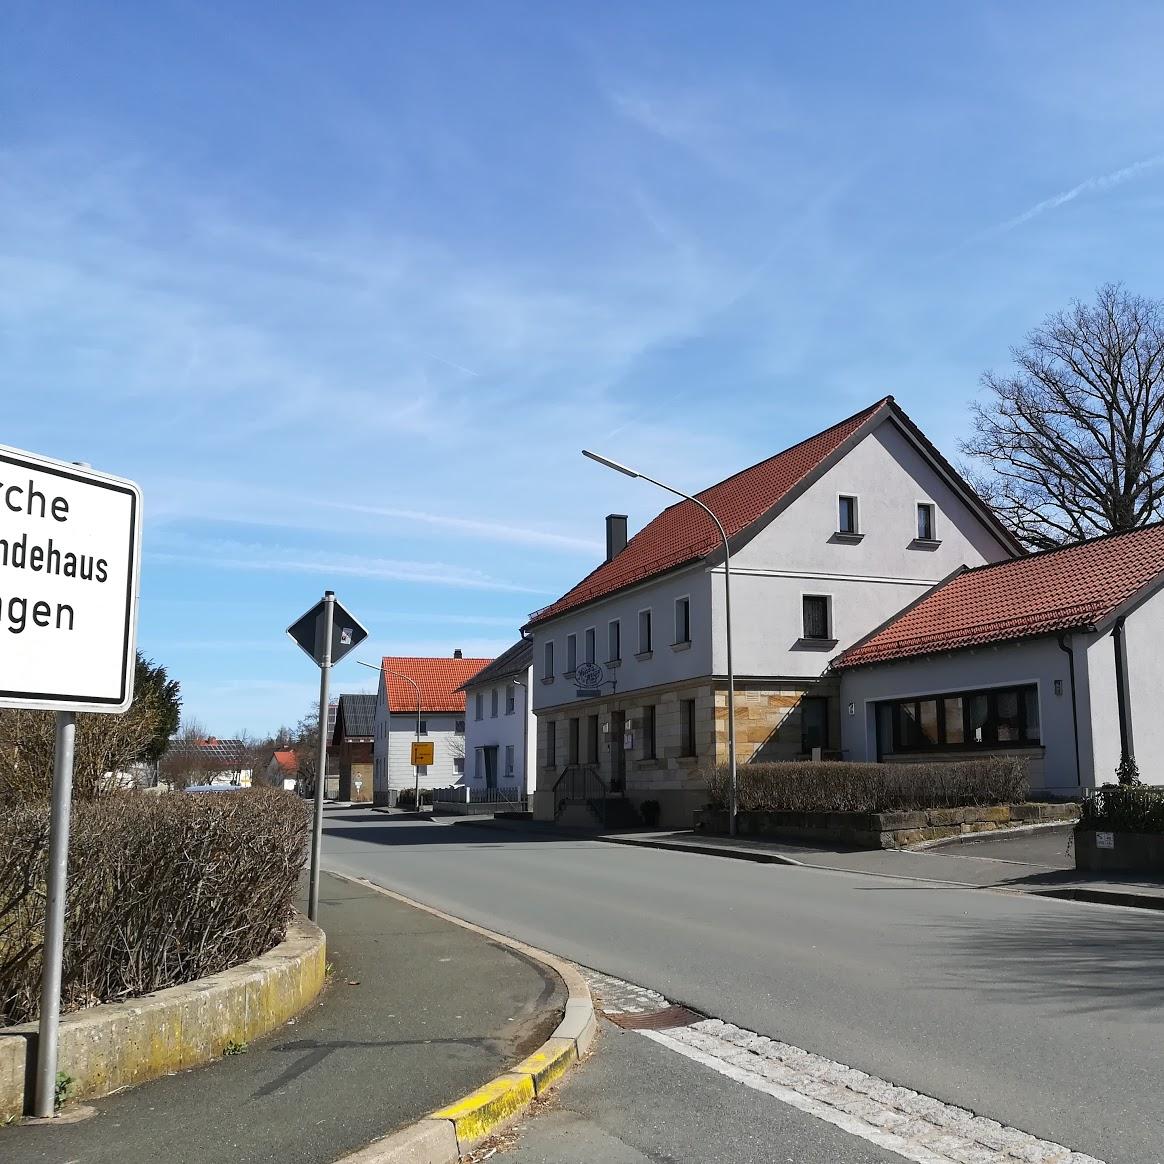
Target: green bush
1127 808
162 890
838 787
406 799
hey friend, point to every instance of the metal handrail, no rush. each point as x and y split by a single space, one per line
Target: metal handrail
581 777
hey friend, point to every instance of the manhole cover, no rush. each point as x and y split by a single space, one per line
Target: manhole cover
672 1016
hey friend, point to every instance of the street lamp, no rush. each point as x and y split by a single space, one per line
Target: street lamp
416 688
727 604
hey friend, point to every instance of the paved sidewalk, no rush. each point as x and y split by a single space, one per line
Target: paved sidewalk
418 1012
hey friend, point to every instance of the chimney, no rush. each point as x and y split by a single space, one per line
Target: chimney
615 534
457 654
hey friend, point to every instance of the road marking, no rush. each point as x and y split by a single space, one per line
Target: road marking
915 1126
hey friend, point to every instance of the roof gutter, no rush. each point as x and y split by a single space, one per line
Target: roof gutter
1121 677
1074 704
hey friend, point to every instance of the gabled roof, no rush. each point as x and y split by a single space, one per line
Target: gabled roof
515 661
683 533
230 752
287 760
355 718
1073 588
439 681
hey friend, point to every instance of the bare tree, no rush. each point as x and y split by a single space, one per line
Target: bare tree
1070 441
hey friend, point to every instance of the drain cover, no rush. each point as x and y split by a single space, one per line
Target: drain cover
672 1016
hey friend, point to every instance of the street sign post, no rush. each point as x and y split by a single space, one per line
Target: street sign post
423 754
327 632
70 552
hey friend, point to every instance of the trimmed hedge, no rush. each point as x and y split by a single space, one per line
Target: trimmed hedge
406 798
839 787
162 890
1123 808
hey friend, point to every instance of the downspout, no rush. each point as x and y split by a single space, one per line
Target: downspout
1074 707
1117 637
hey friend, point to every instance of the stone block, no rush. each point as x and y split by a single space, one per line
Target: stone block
998 813
979 826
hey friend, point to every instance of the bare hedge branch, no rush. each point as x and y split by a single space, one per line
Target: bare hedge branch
162 890
843 787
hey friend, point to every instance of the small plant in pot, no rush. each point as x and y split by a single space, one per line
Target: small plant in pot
649 810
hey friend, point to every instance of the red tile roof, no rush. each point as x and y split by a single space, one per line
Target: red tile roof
438 680
287 760
683 533
1058 590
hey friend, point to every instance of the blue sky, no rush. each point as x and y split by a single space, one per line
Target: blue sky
347 287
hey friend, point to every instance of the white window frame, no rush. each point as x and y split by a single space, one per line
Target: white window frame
856 500
647 650
831 636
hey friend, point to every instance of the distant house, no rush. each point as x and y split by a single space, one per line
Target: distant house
207 761
1057 657
282 769
353 732
500 731
441 716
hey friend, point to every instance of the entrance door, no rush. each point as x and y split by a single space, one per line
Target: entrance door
490 766
617 751
814 723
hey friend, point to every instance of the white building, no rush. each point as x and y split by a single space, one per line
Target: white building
1055 657
439 719
829 539
500 733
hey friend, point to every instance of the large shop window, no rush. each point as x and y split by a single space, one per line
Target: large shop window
1003 717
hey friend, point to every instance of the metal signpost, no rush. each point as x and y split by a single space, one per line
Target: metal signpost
327 632
69 558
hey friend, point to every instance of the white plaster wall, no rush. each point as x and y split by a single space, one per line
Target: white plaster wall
1144 645
1037 661
504 730
401 735
889 477
665 665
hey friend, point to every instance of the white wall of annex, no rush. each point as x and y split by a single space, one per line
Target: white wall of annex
1030 661
1144 647
517 730
668 663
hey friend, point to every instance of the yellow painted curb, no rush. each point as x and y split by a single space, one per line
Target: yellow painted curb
483 1111
496 1103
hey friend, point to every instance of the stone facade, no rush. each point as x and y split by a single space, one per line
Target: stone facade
768 727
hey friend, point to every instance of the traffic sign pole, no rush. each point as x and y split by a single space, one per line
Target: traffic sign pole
54 920
321 769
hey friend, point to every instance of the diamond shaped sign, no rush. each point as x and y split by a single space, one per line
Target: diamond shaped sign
346 632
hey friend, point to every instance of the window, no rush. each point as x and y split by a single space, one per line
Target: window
509 699
687 727
592 739
614 641
551 743
682 620
571 654
459 765
493 703
814 723
644 632
847 515
816 617
572 741
479 705
547 661
509 761
424 727
1004 717
925 522
589 644
649 732
459 727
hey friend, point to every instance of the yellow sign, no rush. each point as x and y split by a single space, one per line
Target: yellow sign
423 754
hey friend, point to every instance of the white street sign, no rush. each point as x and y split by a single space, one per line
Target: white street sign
70 545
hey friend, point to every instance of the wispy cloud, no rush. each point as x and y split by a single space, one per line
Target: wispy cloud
1096 185
226 555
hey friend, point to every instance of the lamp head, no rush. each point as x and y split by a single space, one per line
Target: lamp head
609 463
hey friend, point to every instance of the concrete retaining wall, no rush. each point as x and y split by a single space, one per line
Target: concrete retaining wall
884 830
121 1044
1131 853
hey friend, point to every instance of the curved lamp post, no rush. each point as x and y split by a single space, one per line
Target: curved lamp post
727 604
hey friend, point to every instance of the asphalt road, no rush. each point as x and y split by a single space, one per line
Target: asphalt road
1042 1014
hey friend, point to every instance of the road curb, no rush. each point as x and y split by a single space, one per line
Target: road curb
448 1133
758 856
